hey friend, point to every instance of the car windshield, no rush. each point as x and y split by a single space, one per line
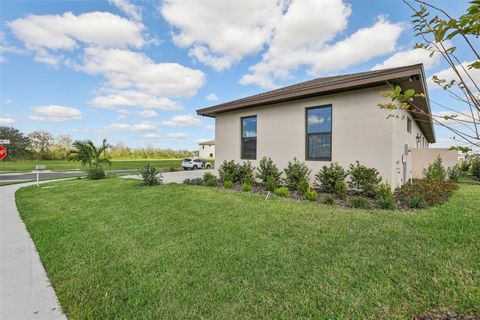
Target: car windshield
187 160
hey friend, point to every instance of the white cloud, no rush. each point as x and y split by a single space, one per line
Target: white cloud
409 57
321 58
153 136
448 74
135 127
7 101
210 127
128 8
6 121
133 99
313 119
127 70
55 113
5 47
220 33
147 113
212 97
182 121
177 136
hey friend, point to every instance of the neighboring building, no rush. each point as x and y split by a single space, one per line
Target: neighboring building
206 149
334 119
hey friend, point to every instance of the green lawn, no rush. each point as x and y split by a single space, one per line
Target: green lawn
29 165
115 250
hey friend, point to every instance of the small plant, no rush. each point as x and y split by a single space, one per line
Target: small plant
464 167
150 175
340 189
271 183
269 171
328 199
453 173
303 186
310 195
475 165
416 202
295 172
385 196
435 170
364 179
194 181
96 173
360 202
327 178
245 172
246 186
172 168
281 191
432 192
228 184
228 171
209 179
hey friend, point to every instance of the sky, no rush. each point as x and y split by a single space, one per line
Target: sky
134 72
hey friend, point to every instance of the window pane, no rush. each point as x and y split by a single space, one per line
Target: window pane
319 120
249 126
319 146
249 148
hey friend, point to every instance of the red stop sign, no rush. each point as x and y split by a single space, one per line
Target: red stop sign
3 152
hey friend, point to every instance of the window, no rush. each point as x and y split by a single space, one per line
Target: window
211 155
249 138
319 133
409 125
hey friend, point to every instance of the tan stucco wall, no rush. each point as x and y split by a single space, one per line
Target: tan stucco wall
421 158
204 151
360 131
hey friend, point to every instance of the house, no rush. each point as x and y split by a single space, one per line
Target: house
333 119
206 150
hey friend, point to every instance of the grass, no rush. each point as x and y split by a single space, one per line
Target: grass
54 165
115 250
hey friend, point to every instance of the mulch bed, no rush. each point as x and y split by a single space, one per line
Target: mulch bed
446 316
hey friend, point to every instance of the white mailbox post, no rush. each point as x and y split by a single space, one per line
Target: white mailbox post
39 168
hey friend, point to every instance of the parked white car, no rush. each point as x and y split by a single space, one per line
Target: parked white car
195 163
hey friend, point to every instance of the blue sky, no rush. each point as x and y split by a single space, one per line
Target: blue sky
135 72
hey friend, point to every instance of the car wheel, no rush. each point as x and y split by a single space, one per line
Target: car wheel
208 165
194 167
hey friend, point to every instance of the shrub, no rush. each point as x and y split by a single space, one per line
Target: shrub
416 202
453 173
266 170
310 195
360 202
194 181
340 189
364 179
271 183
246 186
228 184
209 179
464 167
328 199
435 170
432 192
228 171
150 175
303 186
327 177
96 173
172 168
245 172
281 191
385 196
475 164
295 172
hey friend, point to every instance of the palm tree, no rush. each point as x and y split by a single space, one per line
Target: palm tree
87 153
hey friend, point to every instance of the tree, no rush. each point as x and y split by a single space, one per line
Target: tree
87 153
19 142
437 35
41 141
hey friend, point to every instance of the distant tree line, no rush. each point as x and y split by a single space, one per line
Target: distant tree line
42 145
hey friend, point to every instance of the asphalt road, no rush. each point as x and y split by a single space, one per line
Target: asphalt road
54 175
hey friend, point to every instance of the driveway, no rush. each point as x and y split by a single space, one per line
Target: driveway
177 176
25 176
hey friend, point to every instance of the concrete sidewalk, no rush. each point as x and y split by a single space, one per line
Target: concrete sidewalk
177 176
25 291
